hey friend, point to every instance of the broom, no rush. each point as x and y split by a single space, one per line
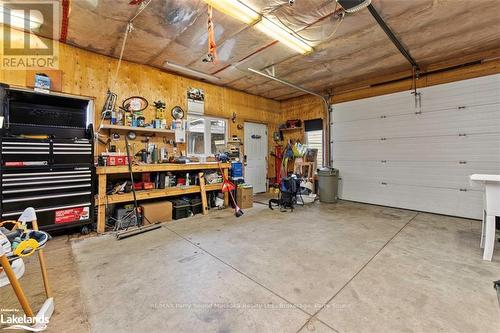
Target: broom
228 186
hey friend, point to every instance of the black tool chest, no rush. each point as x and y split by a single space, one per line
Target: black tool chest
46 159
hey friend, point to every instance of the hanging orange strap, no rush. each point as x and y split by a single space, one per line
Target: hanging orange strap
212 47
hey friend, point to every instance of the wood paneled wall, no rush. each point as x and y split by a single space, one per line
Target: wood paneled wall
304 108
90 74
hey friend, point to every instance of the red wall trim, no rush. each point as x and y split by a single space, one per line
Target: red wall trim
64 21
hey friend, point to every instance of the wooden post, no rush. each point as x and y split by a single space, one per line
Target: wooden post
4 262
203 192
101 208
43 266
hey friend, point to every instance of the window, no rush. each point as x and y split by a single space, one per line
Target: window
314 138
202 134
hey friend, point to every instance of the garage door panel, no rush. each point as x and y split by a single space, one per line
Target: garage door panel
467 92
444 175
463 93
472 120
459 203
392 104
389 155
430 103
469 148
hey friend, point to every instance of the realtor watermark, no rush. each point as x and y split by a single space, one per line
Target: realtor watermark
14 319
247 306
29 34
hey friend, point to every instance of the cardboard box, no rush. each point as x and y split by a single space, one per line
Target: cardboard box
155 212
55 76
244 197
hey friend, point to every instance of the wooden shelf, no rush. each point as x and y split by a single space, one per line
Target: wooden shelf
104 199
109 170
160 193
291 129
138 129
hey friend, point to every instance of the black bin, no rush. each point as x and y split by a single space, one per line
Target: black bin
196 206
181 209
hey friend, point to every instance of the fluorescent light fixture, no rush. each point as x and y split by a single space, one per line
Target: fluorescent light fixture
18 19
236 9
190 72
242 12
281 34
352 6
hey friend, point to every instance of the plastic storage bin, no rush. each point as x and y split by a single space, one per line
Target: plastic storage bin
181 209
236 170
196 206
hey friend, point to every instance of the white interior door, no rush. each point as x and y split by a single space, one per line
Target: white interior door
390 153
256 156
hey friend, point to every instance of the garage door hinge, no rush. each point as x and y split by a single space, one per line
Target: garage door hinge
462 134
418 112
383 161
462 162
462 107
463 190
383 139
383 117
383 183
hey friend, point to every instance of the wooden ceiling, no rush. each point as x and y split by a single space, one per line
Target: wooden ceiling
437 33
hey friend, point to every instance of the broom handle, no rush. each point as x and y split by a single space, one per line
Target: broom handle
226 180
129 161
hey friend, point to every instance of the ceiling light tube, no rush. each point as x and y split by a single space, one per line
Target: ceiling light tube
190 72
282 34
236 9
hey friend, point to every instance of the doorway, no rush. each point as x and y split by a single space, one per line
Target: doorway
256 156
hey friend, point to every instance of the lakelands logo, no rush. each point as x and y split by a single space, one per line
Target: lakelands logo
17 322
29 33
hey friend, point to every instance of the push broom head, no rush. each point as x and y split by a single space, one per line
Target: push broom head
237 211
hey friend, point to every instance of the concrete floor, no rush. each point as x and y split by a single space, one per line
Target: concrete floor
69 315
346 267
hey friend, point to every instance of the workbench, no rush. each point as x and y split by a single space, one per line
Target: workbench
103 172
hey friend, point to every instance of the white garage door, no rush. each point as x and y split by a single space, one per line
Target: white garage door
391 153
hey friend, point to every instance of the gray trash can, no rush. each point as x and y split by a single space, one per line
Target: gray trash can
328 183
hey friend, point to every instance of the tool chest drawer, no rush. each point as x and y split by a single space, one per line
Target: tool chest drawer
78 151
48 191
18 152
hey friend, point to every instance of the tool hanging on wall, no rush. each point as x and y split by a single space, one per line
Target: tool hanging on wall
109 105
212 46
